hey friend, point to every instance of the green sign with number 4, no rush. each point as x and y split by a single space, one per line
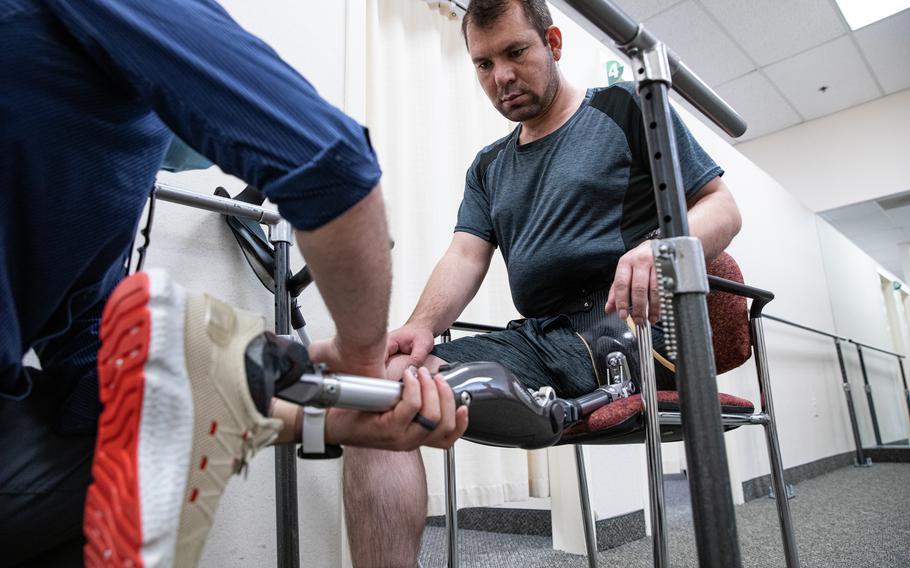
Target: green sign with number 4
614 72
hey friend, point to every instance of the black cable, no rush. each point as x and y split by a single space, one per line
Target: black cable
146 232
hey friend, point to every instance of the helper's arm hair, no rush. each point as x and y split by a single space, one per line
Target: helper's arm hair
351 265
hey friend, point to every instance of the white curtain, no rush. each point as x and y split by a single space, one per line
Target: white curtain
428 118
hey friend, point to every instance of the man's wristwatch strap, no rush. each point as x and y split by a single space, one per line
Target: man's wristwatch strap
313 444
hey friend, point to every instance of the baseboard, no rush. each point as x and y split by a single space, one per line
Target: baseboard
500 520
886 454
612 532
758 487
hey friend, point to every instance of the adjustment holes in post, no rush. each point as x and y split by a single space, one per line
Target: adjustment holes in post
641 70
657 155
667 218
652 126
648 96
662 187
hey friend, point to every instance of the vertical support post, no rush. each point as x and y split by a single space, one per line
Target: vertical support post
288 528
868 387
587 515
861 459
451 495
451 509
716 537
652 443
900 361
777 465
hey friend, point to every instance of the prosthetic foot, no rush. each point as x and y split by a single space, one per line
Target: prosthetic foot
506 413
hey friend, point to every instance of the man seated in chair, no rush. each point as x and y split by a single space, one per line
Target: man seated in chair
568 199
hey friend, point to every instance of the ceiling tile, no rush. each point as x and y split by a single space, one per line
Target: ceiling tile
771 30
886 45
887 261
874 238
764 109
644 9
837 65
857 211
859 226
890 263
697 39
894 268
899 217
884 250
889 253
704 119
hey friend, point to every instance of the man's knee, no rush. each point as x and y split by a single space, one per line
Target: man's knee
398 363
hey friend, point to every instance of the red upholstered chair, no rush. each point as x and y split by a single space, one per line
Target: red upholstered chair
737 334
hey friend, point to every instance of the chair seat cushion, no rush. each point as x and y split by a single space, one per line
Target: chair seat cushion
623 421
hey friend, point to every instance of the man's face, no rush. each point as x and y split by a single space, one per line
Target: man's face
515 68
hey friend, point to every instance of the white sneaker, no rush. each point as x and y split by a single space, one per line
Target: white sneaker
178 421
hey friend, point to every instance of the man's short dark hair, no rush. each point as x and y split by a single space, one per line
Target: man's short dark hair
485 13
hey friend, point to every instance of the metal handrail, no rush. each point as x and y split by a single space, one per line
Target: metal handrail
833 336
223 205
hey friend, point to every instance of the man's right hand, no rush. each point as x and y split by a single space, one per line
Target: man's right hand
395 429
412 340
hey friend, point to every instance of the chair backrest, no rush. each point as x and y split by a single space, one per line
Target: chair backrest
729 315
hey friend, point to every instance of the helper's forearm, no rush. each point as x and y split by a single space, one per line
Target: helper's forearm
453 284
714 218
351 264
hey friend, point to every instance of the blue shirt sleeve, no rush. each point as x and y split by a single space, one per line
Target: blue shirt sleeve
231 97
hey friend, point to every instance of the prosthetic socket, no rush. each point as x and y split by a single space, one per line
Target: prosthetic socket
503 412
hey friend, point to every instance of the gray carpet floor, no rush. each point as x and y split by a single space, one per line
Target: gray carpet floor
849 518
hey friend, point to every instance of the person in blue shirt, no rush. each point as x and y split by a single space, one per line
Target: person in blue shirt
92 92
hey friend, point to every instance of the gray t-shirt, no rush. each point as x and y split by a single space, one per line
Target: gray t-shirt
564 208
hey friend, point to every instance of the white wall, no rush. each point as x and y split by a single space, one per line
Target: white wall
858 309
847 157
778 249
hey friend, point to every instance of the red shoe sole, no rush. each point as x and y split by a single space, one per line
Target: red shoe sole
113 522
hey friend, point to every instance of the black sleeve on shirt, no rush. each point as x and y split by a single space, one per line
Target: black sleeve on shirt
474 214
639 218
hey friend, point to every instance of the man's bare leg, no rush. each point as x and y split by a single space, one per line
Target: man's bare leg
385 498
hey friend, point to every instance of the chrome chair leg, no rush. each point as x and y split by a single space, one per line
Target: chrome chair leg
652 444
586 513
777 467
451 509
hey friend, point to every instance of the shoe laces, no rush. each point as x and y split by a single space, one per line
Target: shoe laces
257 437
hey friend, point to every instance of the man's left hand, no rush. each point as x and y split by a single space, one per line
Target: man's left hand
634 287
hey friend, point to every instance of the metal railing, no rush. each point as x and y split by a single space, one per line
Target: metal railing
861 458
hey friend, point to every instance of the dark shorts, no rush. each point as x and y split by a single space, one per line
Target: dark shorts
43 479
47 441
550 352
540 351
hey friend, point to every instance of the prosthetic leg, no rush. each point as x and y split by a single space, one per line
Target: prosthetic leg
503 411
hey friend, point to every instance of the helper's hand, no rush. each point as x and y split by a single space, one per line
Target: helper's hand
635 286
412 340
396 429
